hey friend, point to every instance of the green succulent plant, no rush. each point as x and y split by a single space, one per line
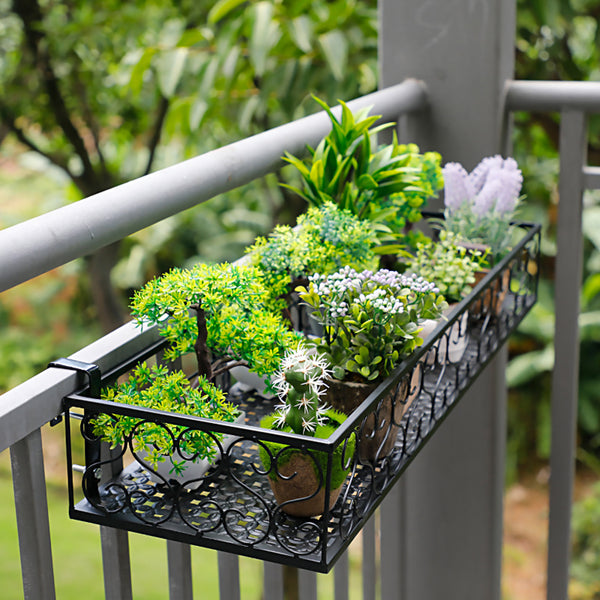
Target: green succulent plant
157 388
386 185
325 239
300 384
370 320
447 264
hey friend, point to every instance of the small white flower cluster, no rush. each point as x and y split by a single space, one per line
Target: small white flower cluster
347 280
337 284
381 301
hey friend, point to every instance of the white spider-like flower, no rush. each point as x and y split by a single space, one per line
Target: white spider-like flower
308 425
279 420
305 402
306 361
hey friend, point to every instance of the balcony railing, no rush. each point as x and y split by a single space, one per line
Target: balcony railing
53 239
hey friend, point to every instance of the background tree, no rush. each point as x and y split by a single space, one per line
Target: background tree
100 90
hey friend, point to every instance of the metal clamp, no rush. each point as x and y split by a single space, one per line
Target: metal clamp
90 370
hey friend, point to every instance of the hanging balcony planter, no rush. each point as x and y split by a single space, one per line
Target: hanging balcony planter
233 507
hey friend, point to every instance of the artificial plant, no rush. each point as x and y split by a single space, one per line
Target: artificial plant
222 310
157 388
447 264
480 206
325 239
386 184
370 320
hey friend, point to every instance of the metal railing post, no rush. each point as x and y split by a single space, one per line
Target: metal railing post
565 377
31 505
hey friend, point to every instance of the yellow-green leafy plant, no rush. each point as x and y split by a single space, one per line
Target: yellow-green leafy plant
157 388
222 310
447 264
325 239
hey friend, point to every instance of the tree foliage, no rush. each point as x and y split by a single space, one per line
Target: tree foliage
117 87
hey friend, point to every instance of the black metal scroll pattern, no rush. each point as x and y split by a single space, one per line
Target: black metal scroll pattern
437 380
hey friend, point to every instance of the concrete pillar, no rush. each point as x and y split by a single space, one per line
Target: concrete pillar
451 496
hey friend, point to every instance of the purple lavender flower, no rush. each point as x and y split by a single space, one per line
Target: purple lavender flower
457 187
485 200
512 180
480 174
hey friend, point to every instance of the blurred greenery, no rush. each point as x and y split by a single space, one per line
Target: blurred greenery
556 40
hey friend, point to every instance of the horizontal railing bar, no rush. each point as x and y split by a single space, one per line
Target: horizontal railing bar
591 178
542 96
32 404
51 240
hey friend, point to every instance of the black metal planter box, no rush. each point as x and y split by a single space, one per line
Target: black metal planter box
232 507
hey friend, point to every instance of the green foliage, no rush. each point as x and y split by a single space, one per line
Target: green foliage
121 90
243 322
157 388
282 454
386 185
370 320
325 239
585 562
447 264
556 41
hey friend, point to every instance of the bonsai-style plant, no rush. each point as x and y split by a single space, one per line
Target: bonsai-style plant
298 477
221 310
386 185
447 264
157 388
479 206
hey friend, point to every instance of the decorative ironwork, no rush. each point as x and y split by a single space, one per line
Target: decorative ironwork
232 507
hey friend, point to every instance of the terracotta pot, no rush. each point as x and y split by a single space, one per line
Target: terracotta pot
378 432
493 297
299 480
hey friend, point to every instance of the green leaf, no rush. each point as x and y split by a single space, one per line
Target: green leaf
221 9
335 49
190 37
338 372
525 367
591 225
265 34
197 112
301 31
366 182
138 72
170 68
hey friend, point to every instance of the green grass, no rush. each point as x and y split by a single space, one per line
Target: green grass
77 561
77 556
